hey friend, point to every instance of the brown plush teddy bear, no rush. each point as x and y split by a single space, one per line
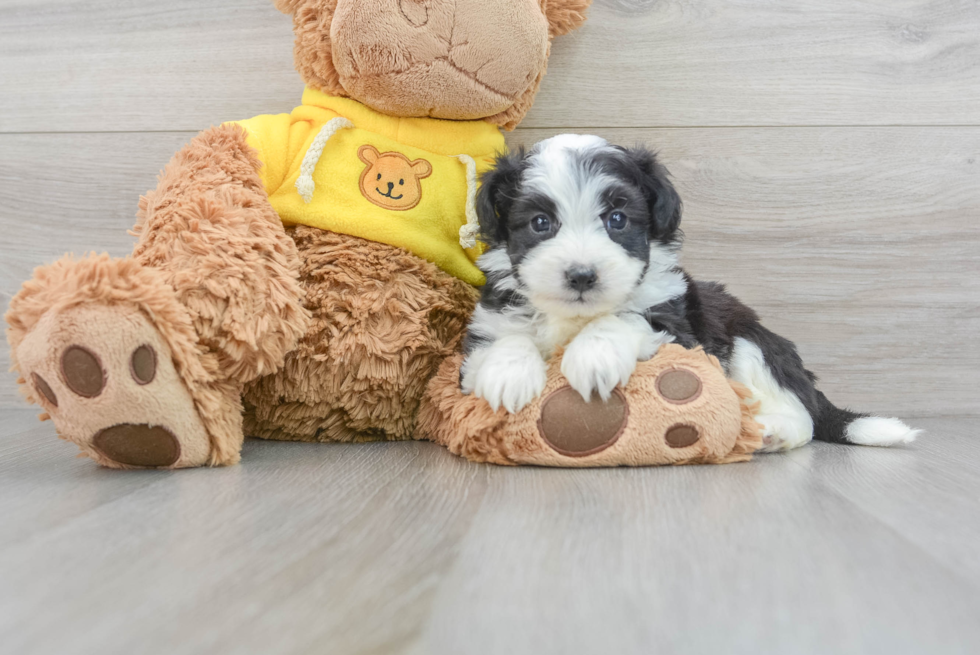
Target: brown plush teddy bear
299 276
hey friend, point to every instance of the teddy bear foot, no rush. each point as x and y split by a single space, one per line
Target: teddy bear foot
678 408
106 376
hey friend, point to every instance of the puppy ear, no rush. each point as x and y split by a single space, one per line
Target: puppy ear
498 188
662 199
564 16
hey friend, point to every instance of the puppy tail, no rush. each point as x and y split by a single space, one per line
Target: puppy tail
838 425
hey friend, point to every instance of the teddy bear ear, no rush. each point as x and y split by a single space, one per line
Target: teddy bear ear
564 16
287 6
313 52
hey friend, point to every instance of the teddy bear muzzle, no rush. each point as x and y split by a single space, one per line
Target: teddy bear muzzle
453 59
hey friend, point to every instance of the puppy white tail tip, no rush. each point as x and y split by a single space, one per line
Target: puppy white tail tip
875 431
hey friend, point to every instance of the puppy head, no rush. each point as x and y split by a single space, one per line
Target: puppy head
579 220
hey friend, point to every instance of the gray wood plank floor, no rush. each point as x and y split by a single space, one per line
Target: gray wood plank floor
828 152
403 547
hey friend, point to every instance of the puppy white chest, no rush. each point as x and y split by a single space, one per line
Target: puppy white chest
559 331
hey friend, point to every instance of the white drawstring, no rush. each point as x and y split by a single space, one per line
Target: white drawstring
305 184
469 232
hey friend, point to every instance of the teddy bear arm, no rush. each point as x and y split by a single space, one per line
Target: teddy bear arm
210 229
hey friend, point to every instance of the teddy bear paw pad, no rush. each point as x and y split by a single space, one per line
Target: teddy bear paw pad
576 428
138 445
682 436
107 378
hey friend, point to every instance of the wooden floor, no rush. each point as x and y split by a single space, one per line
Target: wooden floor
381 548
828 152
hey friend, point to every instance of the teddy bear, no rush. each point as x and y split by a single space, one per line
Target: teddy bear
299 276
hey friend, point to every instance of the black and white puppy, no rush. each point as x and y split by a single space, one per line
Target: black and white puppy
583 242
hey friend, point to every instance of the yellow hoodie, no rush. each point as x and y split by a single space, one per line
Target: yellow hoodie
338 165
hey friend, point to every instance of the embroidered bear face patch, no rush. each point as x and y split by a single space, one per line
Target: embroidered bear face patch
391 180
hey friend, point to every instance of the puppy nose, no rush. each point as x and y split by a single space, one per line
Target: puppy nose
391 185
581 278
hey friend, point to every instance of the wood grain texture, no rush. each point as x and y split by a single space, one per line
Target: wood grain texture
862 245
142 65
183 65
404 548
755 62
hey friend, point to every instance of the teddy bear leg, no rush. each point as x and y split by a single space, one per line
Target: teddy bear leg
111 356
141 361
209 228
383 321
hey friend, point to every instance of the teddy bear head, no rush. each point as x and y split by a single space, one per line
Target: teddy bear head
452 59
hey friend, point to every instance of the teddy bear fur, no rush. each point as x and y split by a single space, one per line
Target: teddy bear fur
283 333
394 314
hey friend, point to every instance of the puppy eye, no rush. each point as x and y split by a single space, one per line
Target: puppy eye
616 221
379 176
541 223
402 182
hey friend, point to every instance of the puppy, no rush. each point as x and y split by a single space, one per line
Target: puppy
583 243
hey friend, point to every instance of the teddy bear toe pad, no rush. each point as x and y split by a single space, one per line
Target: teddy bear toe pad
682 436
106 377
43 388
679 386
82 371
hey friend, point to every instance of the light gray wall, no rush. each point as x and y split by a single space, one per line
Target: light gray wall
827 152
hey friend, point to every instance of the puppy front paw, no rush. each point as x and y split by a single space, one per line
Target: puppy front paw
509 374
596 361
